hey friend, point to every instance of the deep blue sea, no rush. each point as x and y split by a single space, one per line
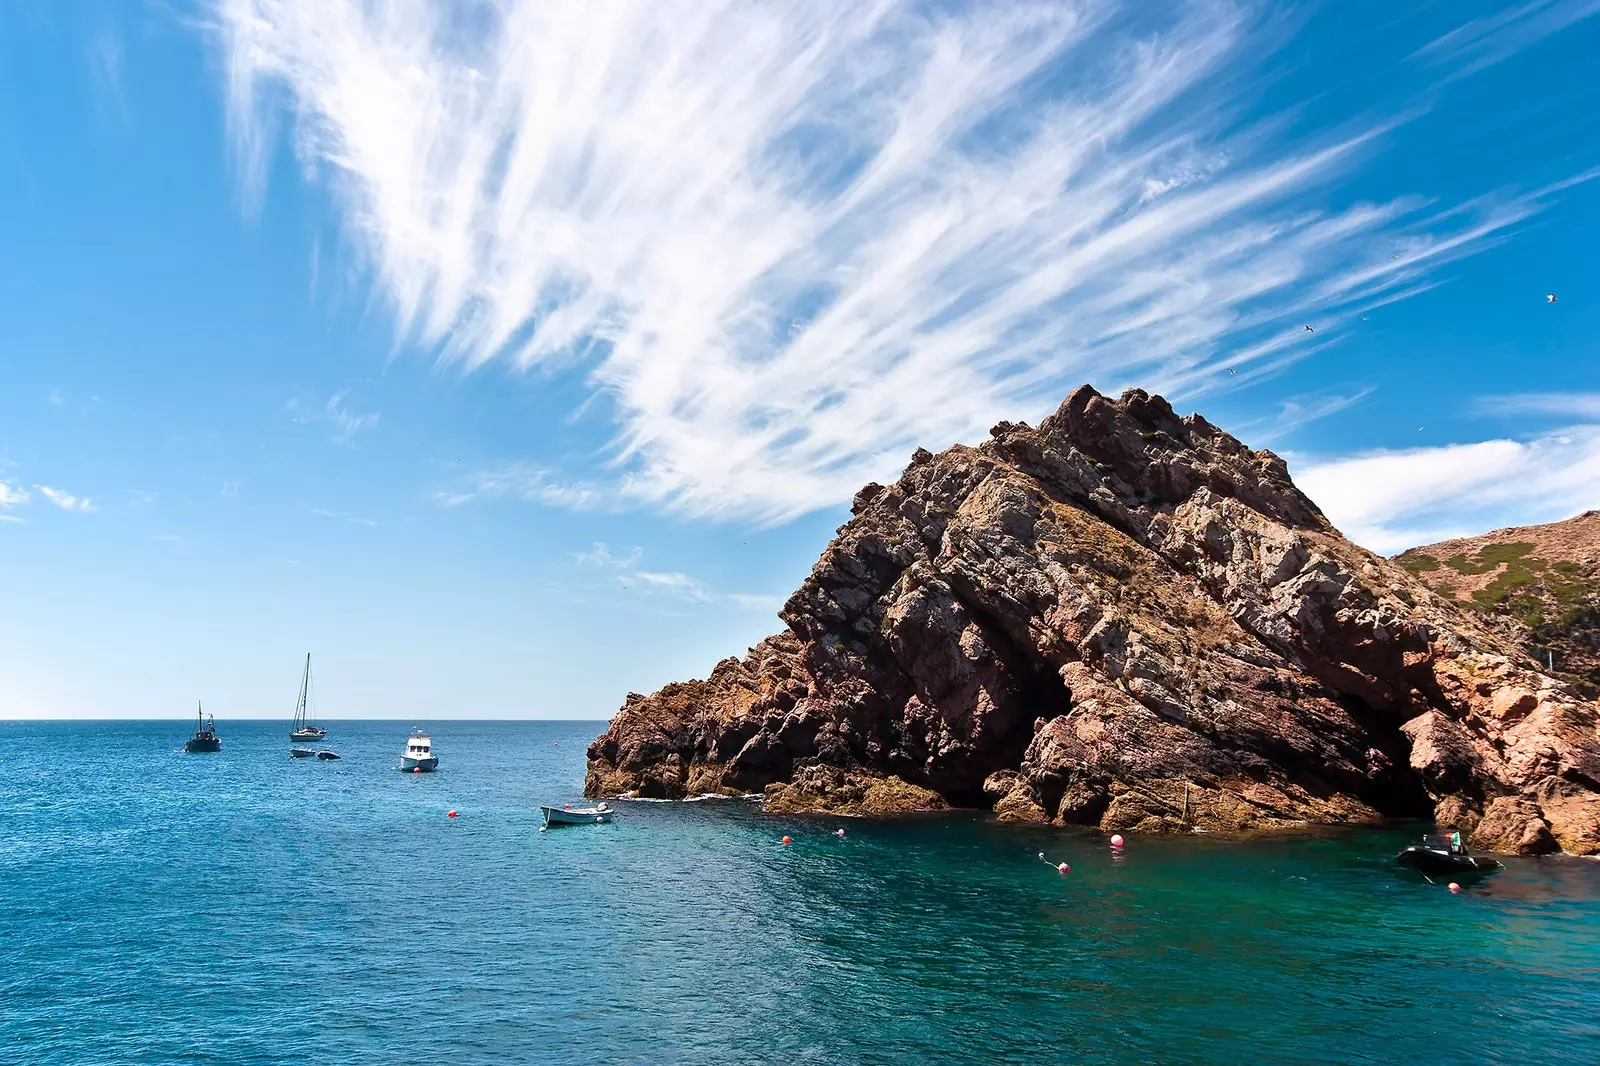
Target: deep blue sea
243 908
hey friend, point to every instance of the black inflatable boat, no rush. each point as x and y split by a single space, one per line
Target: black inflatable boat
1444 857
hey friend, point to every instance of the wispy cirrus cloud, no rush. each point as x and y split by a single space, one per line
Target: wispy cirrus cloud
527 482
788 241
1581 405
339 516
1296 412
627 574
65 500
1393 500
1483 42
343 424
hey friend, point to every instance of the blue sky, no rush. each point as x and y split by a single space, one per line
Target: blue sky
514 360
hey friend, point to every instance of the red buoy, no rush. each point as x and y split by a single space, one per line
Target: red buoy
785 840
451 814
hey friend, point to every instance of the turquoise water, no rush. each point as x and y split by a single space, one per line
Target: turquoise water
242 908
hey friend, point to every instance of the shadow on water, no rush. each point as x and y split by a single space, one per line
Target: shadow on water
248 909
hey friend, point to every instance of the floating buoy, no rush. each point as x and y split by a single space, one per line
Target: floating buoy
785 840
1455 889
1116 840
566 806
416 769
450 814
841 834
1064 869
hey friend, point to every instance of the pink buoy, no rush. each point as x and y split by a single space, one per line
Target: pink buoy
841 834
1116 840
1455 889
1064 869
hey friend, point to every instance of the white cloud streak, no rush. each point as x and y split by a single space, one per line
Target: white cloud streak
341 517
65 500
527 482
1393 500
626 572
789 241
1582 405
1297 412
344 425
1483 42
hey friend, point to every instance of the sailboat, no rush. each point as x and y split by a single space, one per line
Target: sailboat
205 733
305 724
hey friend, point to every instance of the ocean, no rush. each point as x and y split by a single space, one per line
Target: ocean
244 908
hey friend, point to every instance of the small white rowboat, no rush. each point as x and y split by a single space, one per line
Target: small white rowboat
576 815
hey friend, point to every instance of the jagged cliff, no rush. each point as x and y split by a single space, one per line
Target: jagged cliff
1539 586
1128 620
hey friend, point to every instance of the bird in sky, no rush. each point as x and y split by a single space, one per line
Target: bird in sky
1232 371
1549 297
1310 330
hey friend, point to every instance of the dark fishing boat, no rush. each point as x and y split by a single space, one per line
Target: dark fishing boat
327 755
305 723
205 734
1444 856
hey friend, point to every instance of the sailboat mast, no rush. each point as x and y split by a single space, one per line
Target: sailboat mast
300 703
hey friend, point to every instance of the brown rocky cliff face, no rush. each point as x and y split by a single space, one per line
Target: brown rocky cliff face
1123 619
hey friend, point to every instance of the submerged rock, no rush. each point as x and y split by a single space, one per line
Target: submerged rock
1130 620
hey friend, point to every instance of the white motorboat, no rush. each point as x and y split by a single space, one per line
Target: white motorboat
419 757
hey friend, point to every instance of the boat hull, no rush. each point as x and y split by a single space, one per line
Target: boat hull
327 756
581 816
308 734
1432 863
413 765
301 753
202 744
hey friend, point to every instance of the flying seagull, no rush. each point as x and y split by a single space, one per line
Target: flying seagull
1310 330
1231 370
1549 297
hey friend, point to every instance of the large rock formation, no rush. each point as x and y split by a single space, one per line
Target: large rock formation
1121 619
1538 586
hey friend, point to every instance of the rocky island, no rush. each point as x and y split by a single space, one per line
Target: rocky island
1124 619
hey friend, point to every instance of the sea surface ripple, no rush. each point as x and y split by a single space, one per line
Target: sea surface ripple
244 908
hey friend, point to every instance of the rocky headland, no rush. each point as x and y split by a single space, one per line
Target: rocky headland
1124 619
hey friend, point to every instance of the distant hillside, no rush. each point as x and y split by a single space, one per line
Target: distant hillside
1540 585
